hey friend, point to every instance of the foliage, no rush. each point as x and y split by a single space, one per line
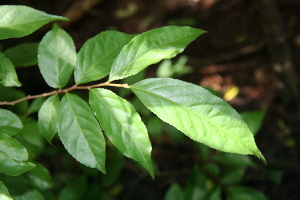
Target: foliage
81 126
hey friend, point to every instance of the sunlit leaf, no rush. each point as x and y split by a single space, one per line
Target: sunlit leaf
56 57
8 76
13 156
97 55
19 21
80 132
23 55
9 122
122 125
49 117
151 47
198 114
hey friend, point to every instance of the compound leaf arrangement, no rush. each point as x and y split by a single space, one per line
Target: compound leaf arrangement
83 123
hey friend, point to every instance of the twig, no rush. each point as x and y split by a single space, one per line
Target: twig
75 87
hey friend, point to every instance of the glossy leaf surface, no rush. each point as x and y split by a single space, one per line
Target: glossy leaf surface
56 57
13 156
197 113
122 125
19 21
8 76
151 47
49 117
80 132
97 55
9 122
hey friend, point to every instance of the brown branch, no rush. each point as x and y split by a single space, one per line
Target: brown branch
75 87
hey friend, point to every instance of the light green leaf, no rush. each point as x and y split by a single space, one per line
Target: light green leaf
122 125
49 117
97 55
8 76
9 122
4 193
40 177
56 57
13 156
23 55
151 47
80 132
19 21
197 113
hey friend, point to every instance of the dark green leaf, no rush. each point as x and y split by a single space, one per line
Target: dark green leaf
122 125
19 21
49 117
254 120
194 189
74 190
23 55
30 195
244 193
40 177
232 176
11 94
13 156
174 193
151 47
4 193
56 57
198 114
80 132
97 55
36 105
9 122
8 76
234 160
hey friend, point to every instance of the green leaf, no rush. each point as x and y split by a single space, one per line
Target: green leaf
174 193
151 47
13 156
4 193
234 160
80 132
8 76
49 117
36 105
245 193
23 55
56 57
195 185
232 176
9 122
74 190
197 113
12 94
254 120
19 21
30 195
40 177
122 125
97 55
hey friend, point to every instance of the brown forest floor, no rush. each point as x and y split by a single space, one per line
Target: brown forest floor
234 52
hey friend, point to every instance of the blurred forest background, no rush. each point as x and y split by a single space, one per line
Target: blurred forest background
250 57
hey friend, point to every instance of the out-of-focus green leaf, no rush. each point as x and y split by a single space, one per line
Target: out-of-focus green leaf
151 47
74 190
174 193
197 113
122 125
9 122
30 195
56 57
232 176
245 193
80 132
195 188
40 177
11 94
215 194
234 160
36 105
19 21
4 193
13 156
23 55
49 117
8 76
254 120
97 55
